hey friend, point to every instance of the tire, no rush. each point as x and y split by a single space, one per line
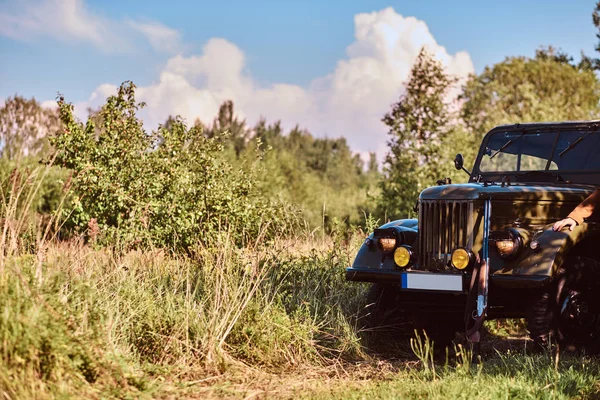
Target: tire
386 322
382 313
568 311
577 312
540 317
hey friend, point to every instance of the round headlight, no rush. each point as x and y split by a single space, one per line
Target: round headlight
387 244
461 258
402 256
506 248
509 243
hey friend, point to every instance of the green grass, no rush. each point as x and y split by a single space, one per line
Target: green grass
501 377
275 318
229 322
92 321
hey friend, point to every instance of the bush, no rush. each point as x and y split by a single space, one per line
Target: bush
170 188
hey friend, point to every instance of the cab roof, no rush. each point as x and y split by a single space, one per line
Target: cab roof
545 125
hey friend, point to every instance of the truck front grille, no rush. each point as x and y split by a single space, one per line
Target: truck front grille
443 226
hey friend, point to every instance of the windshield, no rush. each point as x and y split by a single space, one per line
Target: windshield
540 151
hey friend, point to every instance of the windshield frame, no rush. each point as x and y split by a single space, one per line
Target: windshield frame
575 176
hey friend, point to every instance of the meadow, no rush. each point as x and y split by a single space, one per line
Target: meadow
272 319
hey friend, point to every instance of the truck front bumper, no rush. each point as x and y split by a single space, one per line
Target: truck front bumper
440 281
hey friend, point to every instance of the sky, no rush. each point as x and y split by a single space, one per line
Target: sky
332 67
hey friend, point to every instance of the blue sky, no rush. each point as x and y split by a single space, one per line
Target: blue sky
294 54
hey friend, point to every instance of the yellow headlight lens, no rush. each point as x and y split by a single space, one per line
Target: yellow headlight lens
402 256
460 259
387 244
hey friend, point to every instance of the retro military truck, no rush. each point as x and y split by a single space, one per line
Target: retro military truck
486 248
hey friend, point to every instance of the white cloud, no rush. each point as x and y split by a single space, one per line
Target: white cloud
71 21
349 102
161 37
66 20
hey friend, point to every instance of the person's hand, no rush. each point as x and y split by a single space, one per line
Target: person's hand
559 225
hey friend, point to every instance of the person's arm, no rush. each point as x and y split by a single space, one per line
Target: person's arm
584 210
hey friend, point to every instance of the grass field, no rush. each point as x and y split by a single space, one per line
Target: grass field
272 319
276 320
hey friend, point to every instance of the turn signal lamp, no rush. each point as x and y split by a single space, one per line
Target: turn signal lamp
461 258
402 256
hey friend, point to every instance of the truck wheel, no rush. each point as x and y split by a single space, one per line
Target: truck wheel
539 318
382 312
577 313
384 325
386 322
441 330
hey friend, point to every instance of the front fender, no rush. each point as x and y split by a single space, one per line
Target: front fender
553 248
370 257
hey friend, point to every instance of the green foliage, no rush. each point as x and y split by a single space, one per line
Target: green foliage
521 89
227 122
173 187
419 129
47 196
322 177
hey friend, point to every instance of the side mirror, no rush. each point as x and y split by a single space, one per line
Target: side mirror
459 161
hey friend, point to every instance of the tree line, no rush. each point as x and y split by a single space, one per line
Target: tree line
181 181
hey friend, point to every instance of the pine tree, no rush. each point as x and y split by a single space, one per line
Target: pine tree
418 124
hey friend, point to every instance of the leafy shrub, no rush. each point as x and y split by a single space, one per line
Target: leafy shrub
172 187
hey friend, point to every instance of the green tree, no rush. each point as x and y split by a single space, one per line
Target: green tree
324 178
520 89
419 124
227 123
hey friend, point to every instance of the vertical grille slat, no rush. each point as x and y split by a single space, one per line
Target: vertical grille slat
443 226
436 230
450 224
464 225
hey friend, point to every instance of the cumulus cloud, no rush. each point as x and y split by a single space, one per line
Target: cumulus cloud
349 102
71 21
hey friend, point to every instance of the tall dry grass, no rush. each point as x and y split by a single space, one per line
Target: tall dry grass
75 319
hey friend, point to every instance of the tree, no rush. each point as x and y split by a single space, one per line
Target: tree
520 89
227 122
594 63
418 126
25 126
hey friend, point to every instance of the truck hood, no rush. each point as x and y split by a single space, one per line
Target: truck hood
532 192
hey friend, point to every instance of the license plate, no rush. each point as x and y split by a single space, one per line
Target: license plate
432 281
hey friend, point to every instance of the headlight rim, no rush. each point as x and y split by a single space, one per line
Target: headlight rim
516 237
410 256
471 258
